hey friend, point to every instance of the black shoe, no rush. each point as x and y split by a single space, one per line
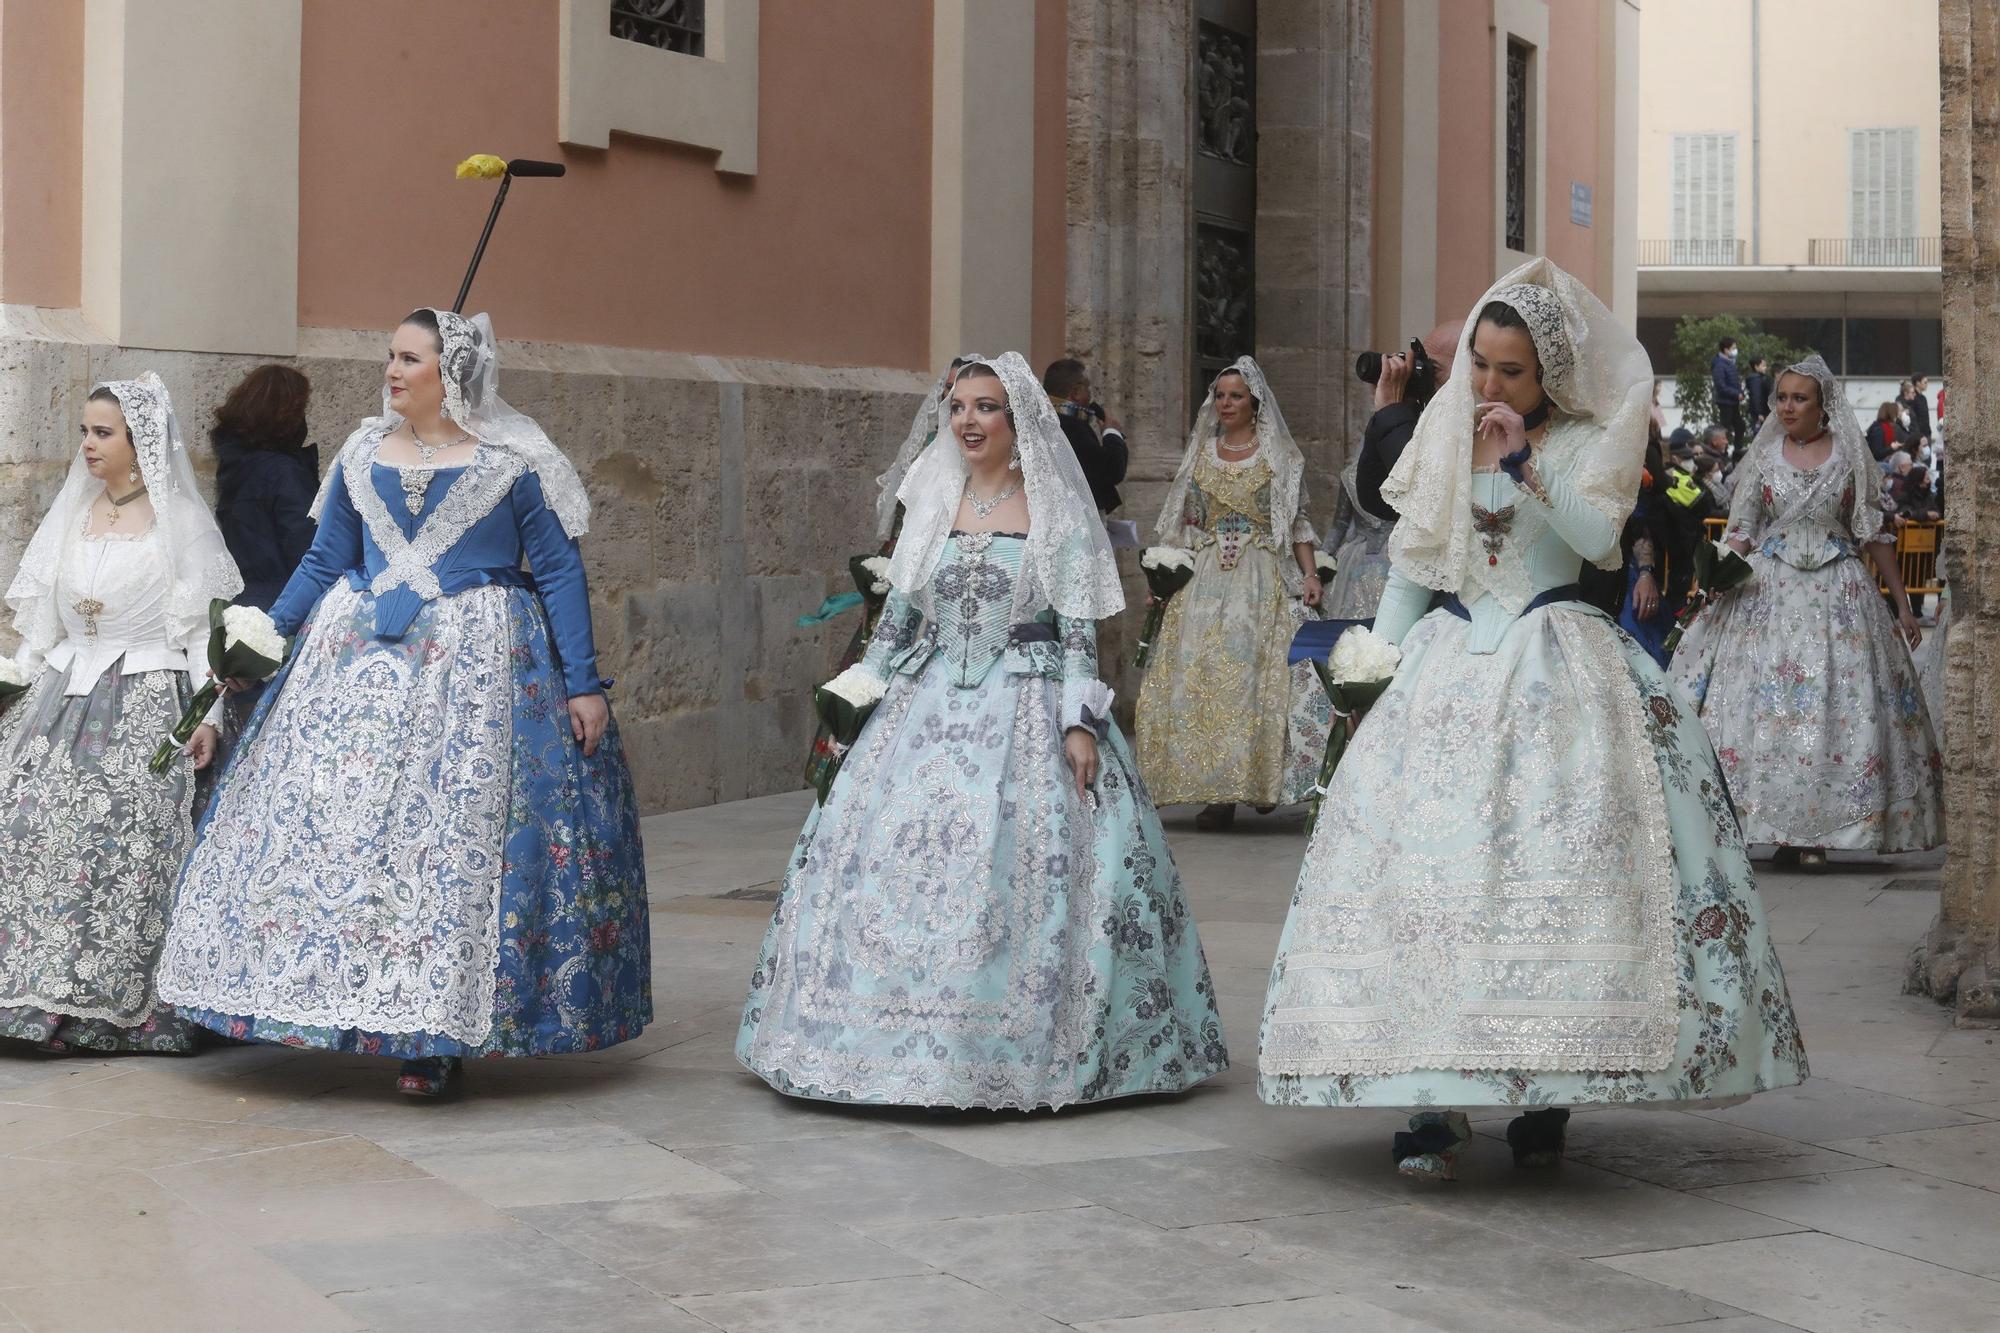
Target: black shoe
1538 1137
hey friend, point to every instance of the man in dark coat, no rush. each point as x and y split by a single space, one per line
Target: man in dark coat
1102 456
1395 420
1728 387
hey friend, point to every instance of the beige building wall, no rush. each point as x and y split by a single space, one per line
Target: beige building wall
729 352
1439 167
1825 67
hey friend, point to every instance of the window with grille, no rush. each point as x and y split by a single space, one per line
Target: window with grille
1882 196
670 25
1517 144
1704 199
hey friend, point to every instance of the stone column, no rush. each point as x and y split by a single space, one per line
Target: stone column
1315 183
1958 962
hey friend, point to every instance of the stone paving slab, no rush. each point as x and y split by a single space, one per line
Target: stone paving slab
657 1186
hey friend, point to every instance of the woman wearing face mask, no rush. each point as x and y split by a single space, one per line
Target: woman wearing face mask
1223 718
1799 676
1526 887
111 602
426 846
985 913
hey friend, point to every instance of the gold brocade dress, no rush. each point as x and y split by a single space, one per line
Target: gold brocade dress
1222 718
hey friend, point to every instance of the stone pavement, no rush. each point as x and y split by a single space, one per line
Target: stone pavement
658 1187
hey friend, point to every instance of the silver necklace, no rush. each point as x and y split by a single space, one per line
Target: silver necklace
417 480
986 507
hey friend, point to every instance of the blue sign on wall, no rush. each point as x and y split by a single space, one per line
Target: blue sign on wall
1580 199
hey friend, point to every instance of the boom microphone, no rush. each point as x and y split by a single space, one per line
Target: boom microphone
527 166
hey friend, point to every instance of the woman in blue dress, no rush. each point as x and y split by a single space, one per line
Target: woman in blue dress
1527 886
426 845
985 913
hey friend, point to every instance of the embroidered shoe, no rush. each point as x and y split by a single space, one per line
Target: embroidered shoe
1429 1150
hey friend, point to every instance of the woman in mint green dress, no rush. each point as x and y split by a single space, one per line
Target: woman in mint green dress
985 913
1527 887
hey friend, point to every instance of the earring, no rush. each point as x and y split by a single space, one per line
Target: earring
134 476
1014 460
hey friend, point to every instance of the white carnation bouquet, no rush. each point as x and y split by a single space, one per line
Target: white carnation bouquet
243 644
1168 569
844 704
1356 673
13 680
1325 565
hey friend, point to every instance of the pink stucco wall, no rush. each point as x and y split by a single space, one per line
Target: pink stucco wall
41 153
819 257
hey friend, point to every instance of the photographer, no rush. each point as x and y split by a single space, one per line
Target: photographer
1102 459
1395 418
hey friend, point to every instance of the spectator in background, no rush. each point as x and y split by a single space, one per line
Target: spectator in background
1757 391
1917 403
265 478
1097 437
1728 387
1882 435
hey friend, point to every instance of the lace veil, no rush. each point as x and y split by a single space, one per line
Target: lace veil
923 427
1864 519
1596 374
469 366
202 568
1068 564
1275 446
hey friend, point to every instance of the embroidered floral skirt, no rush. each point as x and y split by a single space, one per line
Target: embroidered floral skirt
1816 710
958 929
1527 887
1222 717
409 854
90 842
1362 573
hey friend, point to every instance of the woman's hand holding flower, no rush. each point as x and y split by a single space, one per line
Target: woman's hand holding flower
201 747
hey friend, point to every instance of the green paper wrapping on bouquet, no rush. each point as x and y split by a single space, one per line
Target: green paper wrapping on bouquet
1717 569
239 659
1350 699
1162 581
843 719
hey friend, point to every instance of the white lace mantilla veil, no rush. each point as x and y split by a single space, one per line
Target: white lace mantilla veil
1594 372
1864 520
203 571
1068 564
469 366
923 426
1275 446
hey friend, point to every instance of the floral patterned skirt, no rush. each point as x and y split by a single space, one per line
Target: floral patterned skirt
89 847
1361 574
957 928
1817 711
1535 787
1222 717
409 855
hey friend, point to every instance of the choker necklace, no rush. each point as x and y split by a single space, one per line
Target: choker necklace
986 507
1535 419
116 501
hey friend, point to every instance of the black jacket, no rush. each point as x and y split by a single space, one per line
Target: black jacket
1757 394
261 499
1919 406
1381 445
1103 461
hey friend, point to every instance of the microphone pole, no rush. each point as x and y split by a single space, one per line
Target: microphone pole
484 166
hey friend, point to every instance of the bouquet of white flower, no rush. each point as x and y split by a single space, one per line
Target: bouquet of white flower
1168 569
242 643
1325 565
844 704
13 680
877 567
1356 672
1717 569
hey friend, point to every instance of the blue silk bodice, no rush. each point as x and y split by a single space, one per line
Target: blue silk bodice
487 552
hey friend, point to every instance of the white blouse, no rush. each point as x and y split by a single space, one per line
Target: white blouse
112 596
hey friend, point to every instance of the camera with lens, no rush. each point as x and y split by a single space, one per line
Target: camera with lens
1423 381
